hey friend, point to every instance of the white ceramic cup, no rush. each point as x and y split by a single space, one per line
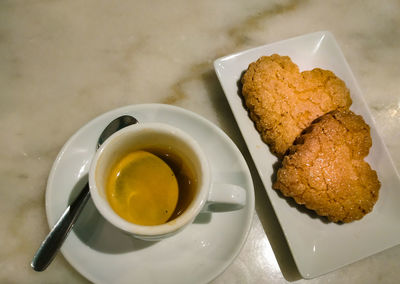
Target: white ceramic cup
208 197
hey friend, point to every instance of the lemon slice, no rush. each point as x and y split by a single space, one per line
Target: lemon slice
142 189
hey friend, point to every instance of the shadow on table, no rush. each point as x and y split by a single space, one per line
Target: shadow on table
263 205
273 230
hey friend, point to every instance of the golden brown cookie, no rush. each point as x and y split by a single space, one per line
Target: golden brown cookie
325 168
282 101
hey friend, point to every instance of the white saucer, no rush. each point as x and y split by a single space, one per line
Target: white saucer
198 254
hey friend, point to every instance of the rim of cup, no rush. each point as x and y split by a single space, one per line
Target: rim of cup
204 182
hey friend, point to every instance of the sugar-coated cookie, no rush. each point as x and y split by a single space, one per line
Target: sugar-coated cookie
325 168
283 102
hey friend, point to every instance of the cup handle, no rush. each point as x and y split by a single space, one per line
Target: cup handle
225 197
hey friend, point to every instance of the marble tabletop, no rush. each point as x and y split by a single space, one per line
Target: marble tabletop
62 63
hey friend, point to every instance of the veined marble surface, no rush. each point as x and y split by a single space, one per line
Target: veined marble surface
62 63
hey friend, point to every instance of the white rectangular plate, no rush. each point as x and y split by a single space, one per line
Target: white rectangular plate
318 247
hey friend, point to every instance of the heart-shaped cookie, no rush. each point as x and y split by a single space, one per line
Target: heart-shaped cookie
283 102
325 168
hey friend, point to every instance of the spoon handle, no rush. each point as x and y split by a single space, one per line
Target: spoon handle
50 246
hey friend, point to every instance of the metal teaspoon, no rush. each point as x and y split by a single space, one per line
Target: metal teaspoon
50 246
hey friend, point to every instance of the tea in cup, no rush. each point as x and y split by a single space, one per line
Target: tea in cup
151 180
